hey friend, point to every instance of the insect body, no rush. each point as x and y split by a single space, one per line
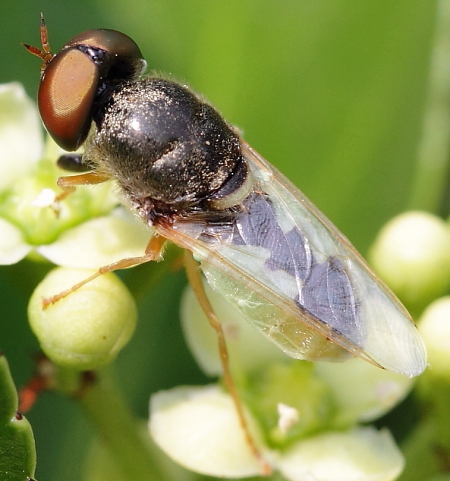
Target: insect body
260 241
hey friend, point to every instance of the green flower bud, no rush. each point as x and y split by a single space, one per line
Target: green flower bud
412 254
434 327
87 328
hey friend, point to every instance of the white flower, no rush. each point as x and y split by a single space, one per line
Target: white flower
354 455
303 417
198 428
88 231
360 391
21 141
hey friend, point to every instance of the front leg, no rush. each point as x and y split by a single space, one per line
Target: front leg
153 252
69 183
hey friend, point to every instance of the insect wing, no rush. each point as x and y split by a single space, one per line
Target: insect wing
298 279
369 315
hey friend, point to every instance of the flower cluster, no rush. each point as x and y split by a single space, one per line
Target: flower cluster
412 254
81 234
306 418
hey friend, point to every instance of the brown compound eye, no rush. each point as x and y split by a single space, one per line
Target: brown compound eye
76 78
66 94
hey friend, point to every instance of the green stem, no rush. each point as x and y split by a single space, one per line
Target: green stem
432 172
110 417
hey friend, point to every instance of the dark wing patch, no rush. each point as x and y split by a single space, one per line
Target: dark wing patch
328 296
325 291
258 226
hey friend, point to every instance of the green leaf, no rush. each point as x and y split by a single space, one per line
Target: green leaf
17 450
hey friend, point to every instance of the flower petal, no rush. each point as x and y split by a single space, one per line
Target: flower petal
21 139
199 429
363 454
99 242
362 392
13 248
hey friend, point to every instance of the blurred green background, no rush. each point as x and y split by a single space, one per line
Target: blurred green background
331 92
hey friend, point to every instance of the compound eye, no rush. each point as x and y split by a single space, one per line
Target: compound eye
66 94
87 67
111 41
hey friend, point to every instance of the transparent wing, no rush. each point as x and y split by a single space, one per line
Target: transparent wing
298 279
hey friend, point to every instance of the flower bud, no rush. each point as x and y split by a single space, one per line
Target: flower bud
412 254
434 327
87 328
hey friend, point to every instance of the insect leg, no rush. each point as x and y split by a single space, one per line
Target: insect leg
195 280
153 252
69 183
